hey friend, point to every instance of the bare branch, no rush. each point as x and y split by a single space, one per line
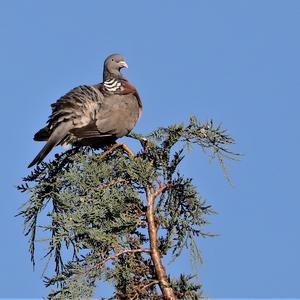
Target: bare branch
153 282
114 256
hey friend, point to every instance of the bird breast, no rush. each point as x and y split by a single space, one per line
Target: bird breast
118 114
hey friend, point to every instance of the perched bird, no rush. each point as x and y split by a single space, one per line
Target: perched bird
93 115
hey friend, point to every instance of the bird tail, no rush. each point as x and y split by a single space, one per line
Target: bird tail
58 134
43 134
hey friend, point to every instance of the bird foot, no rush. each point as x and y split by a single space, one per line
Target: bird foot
115 146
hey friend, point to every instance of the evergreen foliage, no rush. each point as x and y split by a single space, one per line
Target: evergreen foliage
101 226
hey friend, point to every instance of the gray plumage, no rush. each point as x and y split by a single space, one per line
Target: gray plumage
93 115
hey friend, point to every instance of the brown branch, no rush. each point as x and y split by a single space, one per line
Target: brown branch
153 282
114 256
161 189
111 184
151 192
160 271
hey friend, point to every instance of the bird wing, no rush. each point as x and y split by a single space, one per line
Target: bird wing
89 131
79 106
76 109
115 117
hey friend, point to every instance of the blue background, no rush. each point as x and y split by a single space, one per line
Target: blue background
236 62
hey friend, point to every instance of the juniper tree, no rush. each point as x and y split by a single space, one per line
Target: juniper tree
119 213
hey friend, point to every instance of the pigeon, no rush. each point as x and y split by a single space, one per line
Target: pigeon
93 115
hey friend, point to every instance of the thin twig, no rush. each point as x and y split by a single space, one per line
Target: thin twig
114 256
153 282
111 184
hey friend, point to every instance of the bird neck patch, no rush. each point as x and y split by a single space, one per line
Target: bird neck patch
112 85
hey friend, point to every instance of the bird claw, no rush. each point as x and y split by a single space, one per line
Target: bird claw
115 146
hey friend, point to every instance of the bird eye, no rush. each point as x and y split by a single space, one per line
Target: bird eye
112 59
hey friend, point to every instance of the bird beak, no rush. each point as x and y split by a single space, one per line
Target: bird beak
123 64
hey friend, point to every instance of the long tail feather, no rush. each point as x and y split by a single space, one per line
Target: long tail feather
55 138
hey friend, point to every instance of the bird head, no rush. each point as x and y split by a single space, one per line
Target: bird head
112 66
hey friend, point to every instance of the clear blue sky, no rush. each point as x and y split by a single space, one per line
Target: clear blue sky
236 62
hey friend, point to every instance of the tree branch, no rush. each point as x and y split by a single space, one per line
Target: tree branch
114 256
160 271
153 282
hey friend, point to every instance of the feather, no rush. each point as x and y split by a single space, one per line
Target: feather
42 135
56 137
92 115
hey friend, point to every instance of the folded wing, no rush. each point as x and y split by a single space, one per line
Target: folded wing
77 109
